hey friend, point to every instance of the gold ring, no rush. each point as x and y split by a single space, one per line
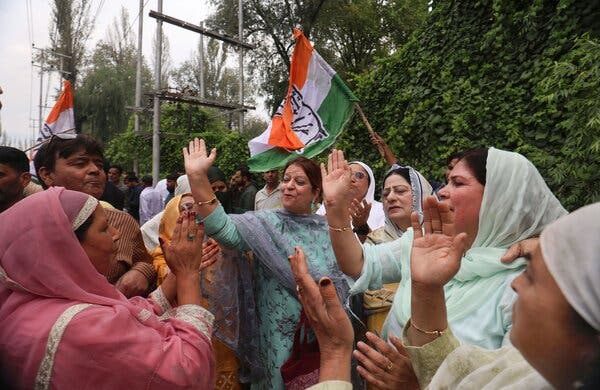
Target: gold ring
389 367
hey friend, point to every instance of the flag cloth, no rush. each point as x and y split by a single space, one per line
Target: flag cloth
317 106
62 117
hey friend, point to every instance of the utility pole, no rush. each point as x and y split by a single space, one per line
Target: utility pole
201 63
138 80
43 69
156 118
241 71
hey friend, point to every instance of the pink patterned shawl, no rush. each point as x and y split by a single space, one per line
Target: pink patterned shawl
62 325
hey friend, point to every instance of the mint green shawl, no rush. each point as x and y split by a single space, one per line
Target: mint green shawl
516 204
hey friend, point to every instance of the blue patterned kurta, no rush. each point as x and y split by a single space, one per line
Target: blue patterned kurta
272 236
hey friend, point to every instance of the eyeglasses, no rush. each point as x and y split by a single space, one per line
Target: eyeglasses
359 175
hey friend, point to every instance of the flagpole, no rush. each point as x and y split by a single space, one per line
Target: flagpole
369 128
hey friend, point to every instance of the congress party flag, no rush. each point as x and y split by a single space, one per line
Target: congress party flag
315 110
62 117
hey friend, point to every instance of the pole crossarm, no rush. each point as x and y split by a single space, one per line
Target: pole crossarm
179 97
198 29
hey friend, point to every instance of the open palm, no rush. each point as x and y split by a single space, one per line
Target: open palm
336 179
196 160
436 251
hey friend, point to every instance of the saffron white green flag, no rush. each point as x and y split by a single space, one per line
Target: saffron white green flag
62 118
317 106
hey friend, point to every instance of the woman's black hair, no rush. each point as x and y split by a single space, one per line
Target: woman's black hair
81 231
476 160
402 171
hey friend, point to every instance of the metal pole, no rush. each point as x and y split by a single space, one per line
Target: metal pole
241 38
40 123
138 80
201 63
156 119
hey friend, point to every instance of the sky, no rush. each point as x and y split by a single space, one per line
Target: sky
20 81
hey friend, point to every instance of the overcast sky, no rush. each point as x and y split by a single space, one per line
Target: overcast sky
20 81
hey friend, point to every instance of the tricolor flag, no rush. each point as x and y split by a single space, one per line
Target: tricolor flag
62 118
317 106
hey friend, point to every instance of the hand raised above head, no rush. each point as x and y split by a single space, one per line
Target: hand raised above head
437 250
196 160
336 180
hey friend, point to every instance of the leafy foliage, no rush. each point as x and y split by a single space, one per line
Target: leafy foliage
179 124
522 76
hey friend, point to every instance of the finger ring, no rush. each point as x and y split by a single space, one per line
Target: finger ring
389 367
191 237
298 289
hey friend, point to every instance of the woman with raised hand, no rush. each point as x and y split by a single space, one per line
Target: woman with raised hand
272 236
556 321
404 189
62 325
498 198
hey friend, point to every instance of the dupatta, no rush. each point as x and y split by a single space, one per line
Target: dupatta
517 204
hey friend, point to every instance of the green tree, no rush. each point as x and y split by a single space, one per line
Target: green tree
70 29
180 122
522 76
107 90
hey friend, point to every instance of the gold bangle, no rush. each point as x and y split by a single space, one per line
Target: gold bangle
436 333
207 202
342 229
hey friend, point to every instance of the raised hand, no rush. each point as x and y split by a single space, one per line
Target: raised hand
196 160
336 180
324 310
436 252
359 211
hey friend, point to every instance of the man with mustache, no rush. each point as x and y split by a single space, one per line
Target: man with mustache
77 164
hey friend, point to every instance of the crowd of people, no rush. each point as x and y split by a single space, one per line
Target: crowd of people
199 281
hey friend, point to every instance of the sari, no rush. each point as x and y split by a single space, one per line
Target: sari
62 325
517 204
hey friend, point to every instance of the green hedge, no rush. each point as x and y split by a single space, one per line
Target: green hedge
517 75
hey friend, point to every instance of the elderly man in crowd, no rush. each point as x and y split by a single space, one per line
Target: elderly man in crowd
77 164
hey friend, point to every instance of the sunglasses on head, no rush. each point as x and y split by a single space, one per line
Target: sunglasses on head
62 136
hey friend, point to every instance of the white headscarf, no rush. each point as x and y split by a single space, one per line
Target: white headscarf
571 250
377 215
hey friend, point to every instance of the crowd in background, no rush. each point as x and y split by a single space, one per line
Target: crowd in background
200 281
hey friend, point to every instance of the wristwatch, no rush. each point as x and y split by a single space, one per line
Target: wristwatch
362 230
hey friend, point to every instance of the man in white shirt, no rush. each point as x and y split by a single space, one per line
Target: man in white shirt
269 197
150 201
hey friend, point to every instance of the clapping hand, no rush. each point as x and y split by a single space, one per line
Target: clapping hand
327 318
184 255
360 212
436 251
196 160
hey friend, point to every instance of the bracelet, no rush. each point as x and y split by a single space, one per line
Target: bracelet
207 202
436 333
342 229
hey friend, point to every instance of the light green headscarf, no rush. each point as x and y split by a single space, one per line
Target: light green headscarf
517 204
